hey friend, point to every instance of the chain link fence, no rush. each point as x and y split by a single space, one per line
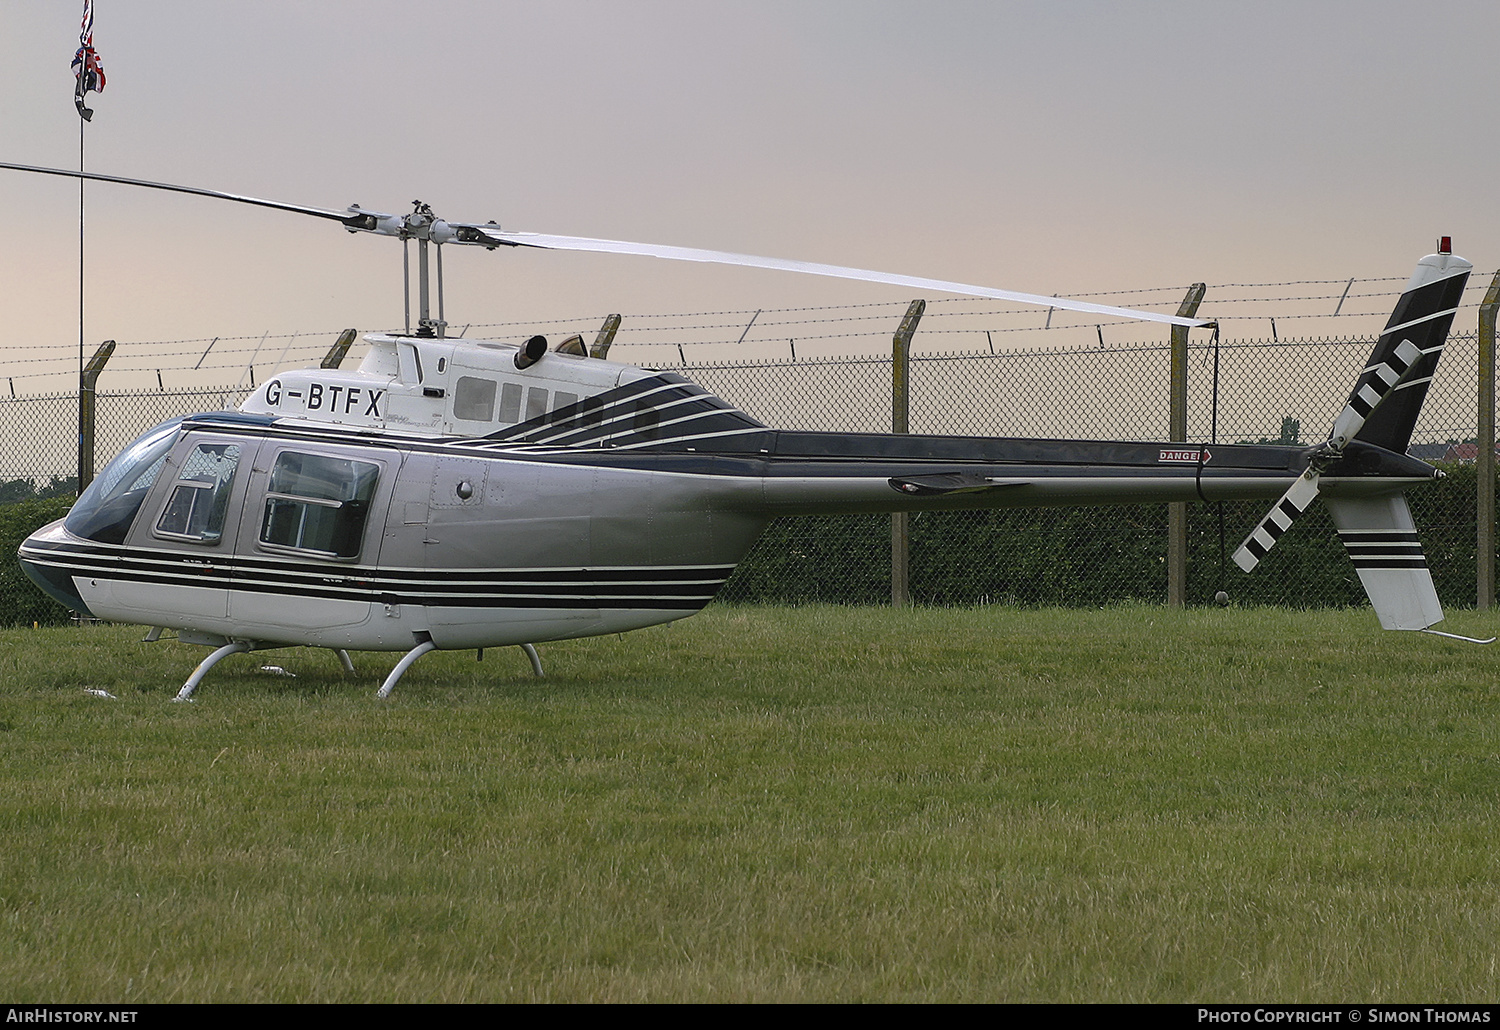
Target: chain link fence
1286 391
40 457
1276 390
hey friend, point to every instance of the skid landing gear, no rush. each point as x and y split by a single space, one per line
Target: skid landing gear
536 661
233 647
424 645
404 664
237 647
227 648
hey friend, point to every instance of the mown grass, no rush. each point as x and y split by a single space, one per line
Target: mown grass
766 804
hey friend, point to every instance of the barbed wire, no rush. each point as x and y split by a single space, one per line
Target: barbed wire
1031 353
218 355
1178 289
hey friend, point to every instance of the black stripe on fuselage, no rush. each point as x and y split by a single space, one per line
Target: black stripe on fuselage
659 410
672 587
837 455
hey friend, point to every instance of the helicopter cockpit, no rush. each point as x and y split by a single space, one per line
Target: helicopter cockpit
109 505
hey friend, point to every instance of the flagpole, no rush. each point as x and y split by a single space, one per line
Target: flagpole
90 73
80 483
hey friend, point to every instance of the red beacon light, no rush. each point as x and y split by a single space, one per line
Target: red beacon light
1445 245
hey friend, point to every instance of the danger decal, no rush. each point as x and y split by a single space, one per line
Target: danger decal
1187 455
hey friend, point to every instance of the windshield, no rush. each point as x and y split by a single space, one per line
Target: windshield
109 505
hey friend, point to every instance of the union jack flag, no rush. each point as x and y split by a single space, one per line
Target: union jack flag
87 68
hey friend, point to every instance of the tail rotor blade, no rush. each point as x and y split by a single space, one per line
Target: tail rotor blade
1293 503
1374 386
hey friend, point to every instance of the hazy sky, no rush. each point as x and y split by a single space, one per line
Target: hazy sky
1048 147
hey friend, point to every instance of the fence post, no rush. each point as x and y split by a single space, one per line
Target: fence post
340 349
900 410
1177 548
1484 459
86 381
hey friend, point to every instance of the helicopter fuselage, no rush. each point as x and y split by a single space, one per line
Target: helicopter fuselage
440 493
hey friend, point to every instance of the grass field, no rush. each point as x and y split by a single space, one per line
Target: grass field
766 804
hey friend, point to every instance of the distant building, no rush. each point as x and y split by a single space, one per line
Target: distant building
1429 451
1467 453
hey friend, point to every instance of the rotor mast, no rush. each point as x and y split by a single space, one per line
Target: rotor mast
421 225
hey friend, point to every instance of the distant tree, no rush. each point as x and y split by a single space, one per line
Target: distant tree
14 490
59 486
1291 433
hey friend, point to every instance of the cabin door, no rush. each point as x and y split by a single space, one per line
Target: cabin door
184 546
310 539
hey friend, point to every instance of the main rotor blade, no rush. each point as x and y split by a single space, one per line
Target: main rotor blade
317 212
489 235
546 242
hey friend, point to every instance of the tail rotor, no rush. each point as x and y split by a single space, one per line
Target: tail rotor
1375 384
1375 525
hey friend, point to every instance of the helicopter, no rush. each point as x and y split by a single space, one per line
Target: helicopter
453 493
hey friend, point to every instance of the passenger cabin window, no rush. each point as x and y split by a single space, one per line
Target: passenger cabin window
510 402
318 504
199 501
474 399
536 403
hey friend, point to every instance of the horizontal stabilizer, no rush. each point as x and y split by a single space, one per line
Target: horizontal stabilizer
949 483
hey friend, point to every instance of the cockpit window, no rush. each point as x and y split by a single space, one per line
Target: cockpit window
111 502
200 499
317 503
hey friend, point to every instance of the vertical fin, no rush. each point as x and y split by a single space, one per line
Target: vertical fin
1382 542
1418 326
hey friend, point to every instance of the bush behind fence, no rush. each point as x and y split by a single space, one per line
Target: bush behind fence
1091 556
